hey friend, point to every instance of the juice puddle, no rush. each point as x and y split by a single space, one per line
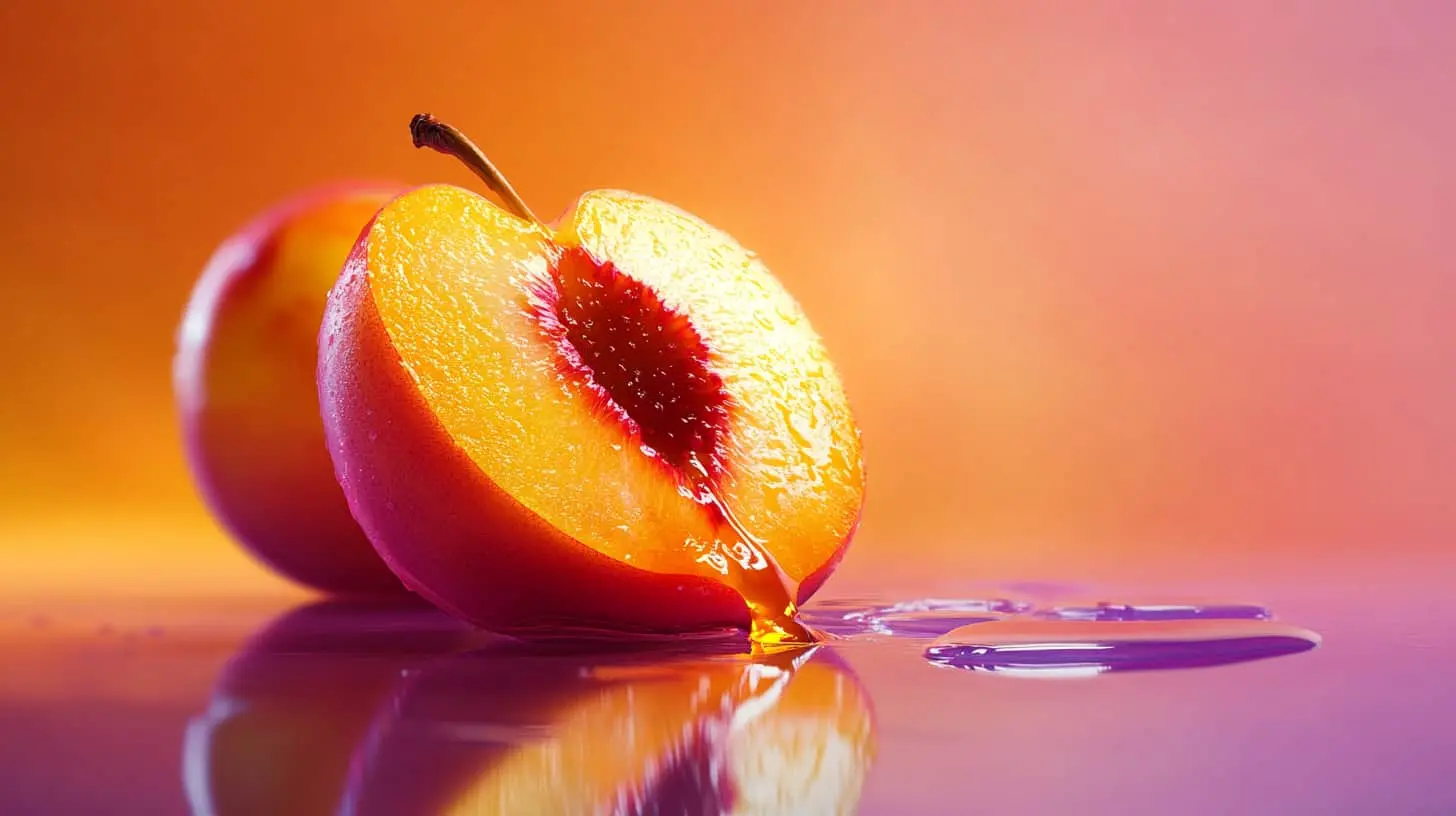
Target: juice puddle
1081 648
1080 638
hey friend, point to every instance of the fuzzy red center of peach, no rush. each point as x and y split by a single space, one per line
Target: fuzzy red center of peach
643 362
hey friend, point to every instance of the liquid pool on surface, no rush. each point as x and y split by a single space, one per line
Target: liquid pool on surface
1081 648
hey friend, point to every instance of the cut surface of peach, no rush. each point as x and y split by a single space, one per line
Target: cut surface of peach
585 387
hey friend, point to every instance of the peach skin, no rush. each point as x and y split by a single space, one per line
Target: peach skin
244 373
618 421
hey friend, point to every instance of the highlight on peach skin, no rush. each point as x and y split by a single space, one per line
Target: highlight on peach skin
245 385
791 732
619 420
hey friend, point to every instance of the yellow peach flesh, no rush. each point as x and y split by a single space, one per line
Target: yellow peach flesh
450 276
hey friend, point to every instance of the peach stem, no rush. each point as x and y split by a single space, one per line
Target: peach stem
427 131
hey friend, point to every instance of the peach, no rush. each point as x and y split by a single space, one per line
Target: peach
244 378
618 421
490 733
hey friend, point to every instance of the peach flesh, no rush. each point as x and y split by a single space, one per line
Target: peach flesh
647 368
247 397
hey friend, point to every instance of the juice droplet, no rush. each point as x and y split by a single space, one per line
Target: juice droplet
1082 648
753 572
1121 611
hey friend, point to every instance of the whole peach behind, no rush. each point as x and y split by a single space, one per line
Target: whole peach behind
244 379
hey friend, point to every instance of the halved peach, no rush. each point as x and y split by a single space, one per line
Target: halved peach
580 424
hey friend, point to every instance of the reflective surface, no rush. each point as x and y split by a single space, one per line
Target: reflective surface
238 706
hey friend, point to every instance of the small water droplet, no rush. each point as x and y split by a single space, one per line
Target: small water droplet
1082 648
373 436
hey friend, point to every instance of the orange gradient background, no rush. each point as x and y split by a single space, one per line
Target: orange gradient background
1116 287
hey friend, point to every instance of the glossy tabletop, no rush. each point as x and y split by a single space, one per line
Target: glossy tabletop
252 705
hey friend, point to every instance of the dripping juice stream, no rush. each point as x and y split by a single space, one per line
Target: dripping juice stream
765 587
